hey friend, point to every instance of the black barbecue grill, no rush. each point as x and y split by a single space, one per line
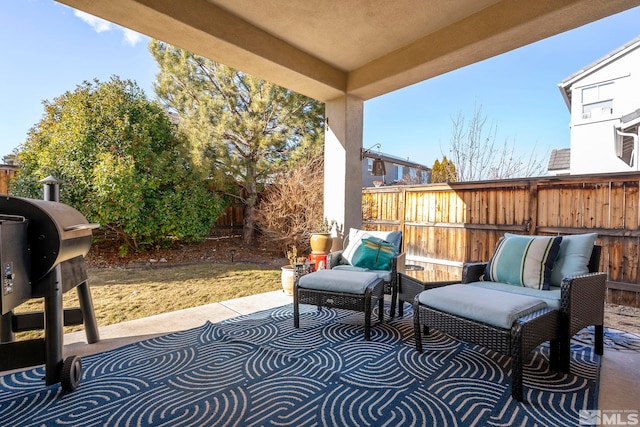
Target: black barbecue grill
42 249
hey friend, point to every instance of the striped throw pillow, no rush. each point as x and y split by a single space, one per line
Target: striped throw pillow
524 261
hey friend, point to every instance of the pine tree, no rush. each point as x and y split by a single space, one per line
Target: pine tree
444 171
241 129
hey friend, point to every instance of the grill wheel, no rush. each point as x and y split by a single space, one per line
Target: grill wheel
71 373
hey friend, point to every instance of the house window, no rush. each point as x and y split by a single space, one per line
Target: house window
397 172
597 101
369 165
413 174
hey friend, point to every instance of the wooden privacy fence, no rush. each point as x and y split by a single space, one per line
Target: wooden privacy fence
446 225
230 222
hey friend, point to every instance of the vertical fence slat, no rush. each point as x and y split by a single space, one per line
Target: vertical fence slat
631 205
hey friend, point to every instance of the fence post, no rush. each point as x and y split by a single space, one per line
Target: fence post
533 208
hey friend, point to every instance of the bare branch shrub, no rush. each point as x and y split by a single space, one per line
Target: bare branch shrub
292 207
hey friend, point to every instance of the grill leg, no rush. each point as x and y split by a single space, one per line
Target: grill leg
86 306
6 331
53 322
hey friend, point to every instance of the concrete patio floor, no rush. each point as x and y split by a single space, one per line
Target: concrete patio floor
619 388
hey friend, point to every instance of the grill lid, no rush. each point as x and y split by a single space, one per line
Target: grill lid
56 232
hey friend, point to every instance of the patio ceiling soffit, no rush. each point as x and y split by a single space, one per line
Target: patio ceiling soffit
266 41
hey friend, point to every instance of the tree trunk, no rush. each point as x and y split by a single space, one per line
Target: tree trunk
248 226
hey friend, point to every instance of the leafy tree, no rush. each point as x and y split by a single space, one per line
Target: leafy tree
241 129
444 171
477 156
122 164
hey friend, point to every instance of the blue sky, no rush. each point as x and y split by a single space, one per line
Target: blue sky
49 50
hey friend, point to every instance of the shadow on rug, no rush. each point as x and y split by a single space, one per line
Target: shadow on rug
260 370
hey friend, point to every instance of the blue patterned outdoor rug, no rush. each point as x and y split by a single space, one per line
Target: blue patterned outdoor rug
258 370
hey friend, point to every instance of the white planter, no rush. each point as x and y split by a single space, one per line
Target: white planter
287 279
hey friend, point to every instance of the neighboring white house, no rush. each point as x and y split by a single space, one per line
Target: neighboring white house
604 101
398 170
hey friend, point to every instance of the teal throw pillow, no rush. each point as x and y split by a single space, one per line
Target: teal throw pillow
352 252
375 254
524 260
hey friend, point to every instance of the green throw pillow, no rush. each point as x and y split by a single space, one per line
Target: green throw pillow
352 251
375 254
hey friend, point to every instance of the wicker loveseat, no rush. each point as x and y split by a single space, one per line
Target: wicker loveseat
347 259
514 319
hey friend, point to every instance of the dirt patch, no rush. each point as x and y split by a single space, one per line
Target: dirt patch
213 249
622 317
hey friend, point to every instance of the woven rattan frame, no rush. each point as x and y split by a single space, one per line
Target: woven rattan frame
356 302
525 334
581 305
390 287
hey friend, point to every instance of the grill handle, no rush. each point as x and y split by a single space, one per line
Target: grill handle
12 217
81 227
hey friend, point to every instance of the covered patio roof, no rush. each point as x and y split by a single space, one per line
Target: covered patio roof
365 48
344 52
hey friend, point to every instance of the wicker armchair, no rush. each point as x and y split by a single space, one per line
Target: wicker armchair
581 305
338 260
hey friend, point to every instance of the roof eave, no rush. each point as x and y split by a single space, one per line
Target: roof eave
567 83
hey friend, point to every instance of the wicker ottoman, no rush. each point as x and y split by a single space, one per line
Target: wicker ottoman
348 290
513 325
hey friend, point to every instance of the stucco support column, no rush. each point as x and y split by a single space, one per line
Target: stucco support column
342 164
